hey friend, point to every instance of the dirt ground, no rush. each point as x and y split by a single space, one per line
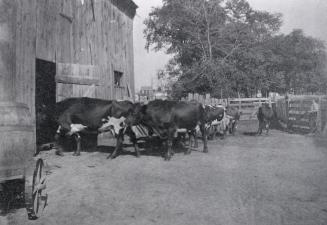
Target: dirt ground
276 179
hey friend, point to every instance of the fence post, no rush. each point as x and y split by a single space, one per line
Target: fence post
319 119
200 98
190 96
196 96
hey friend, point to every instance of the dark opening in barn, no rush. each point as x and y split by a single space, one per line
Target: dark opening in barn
45 98
118 78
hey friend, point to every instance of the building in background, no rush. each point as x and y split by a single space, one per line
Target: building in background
148 93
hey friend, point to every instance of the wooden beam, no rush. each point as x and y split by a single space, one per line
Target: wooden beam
77 80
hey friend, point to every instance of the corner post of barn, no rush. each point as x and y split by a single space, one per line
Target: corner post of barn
17 137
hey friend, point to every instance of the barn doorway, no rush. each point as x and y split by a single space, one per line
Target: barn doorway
45 99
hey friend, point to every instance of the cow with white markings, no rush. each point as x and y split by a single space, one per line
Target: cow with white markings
76 116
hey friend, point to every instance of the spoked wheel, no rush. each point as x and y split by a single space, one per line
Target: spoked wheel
39 197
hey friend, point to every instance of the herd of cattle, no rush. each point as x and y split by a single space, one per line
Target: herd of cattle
166 119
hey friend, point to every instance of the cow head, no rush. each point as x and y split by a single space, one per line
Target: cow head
233 112
137 114
214 113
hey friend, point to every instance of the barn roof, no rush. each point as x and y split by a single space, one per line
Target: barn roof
126 6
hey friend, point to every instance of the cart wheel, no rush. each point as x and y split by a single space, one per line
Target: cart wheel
39 197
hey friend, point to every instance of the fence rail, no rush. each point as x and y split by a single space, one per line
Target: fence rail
299 113
303 114
247 106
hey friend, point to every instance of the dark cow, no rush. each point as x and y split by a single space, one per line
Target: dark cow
235 115
265 115
75 116
166 117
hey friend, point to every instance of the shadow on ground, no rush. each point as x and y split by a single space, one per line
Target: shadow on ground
151 147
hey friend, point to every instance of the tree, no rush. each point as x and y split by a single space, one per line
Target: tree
186 28
227 48
301 60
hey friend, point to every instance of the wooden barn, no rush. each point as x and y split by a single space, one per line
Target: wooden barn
54 49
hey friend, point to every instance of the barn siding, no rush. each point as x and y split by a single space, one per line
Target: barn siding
46 23
67 32
25 54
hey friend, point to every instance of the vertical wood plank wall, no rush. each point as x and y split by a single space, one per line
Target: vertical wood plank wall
24 84
68 33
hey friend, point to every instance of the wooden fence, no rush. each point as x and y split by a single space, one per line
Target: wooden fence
205 99
302 114
247 106
323 115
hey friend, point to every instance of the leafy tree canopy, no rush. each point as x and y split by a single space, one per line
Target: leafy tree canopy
226 48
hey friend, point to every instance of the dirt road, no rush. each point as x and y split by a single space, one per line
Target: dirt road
277 179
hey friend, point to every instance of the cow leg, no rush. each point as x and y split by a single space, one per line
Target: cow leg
58 146
190 141
130 133
183 138
260 128
267 127
215 132
188 149
180 140
78 144
119 145
169 144
204 138
223 133
171 134
211 132
193 137
233 128
196 143
136 147
230 128
137 150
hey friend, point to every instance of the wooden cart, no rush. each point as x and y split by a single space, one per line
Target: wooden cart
17 160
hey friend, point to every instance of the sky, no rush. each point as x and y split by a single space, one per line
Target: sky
309 15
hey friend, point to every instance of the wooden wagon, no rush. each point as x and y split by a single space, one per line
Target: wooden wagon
17 161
